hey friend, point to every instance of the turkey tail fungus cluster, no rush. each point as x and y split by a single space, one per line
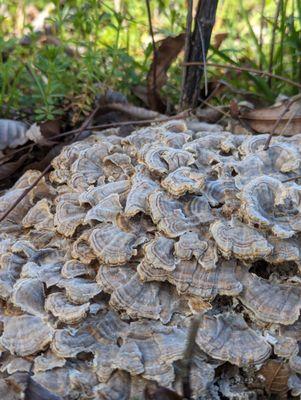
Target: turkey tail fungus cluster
106 262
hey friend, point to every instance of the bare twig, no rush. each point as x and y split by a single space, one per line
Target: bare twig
203 55
198 47
181 115
151 31
293 178
216 108
279 119
292 116
134 112
272 47
45 171
261 32
186 51
86 123
25 193
246 69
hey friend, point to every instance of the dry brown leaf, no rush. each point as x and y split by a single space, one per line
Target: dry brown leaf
264 119
134 112
234 109
219 39
275 374
16 133
50 128
209 115
42 163
9 168
167 51
34 134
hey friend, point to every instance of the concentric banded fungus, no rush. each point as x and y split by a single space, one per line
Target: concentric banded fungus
190 245
227 337
67 344
142 186
69 215
106 210
159 253
163 159
283 251
79 290
96 194
270 302
279 159
29 295
48 361
240 240
104 263
159 347
190 277
148 300
74 268
25 335
183 180
39 216
108 358
269 203
113 246
11 267
66 312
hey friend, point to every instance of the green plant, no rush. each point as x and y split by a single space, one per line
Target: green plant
92 45
266 38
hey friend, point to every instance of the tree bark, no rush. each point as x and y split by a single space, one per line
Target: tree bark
198 46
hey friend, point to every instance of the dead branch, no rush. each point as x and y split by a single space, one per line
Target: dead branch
186 48
198 48
246 69
151 31
286 109
272 48
293 178
181 115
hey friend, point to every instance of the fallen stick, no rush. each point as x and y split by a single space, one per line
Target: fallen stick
246 69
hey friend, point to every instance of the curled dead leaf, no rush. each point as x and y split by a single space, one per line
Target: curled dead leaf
9 168
34 134
288 115
234 108
134 112
16 133
275 374
219 38
167 51
209 115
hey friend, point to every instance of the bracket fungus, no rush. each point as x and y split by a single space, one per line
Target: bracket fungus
227 337
105 262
